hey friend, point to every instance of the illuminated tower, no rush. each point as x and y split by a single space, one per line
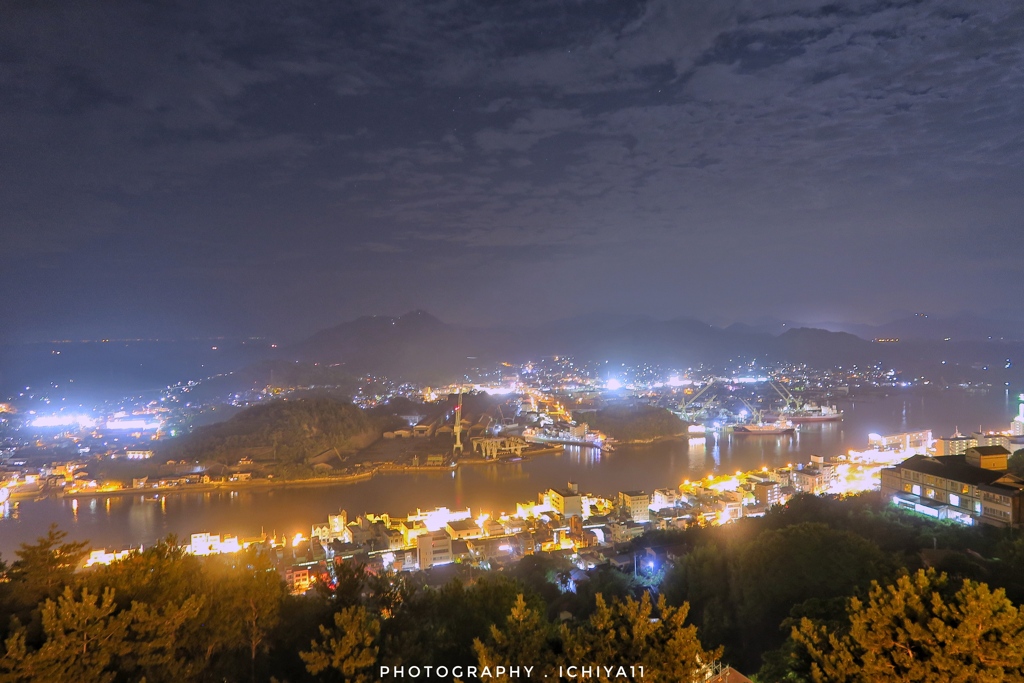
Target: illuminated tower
1017 426
457 448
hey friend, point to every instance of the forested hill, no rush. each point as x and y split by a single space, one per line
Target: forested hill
640 423
283 432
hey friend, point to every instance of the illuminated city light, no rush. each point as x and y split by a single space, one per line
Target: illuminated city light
83 421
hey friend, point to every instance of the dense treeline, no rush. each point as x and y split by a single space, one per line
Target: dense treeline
288 433
821 590
640 423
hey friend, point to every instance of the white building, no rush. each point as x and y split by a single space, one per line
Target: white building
433 549
636 504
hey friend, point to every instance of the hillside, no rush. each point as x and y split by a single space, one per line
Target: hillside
634 424
283 433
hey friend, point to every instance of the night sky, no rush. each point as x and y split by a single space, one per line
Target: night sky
254 167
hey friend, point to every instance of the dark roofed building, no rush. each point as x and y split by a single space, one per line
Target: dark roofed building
968 488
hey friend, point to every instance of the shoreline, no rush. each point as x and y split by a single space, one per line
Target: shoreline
271 484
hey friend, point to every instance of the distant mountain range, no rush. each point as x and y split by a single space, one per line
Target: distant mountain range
913 327
419 347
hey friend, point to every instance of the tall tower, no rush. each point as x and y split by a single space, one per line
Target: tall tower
1017 426
457 448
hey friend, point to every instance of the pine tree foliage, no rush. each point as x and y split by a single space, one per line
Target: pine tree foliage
349 648
626 633
915 630
523 641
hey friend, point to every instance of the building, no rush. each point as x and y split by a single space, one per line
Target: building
973 488
813 478
297 579
412 529
954 445
463 528
992 439
135 454
767 493
664 498
567 502
1017 426
907 441
636 504
434 548
987 457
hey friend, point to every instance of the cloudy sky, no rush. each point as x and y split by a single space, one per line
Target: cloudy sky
259 167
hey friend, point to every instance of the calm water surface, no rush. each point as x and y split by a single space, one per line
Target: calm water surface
123 521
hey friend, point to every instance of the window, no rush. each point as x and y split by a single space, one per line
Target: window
964 488
977 507
929 493
916 490
954 499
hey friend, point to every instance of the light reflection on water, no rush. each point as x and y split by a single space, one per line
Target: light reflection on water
118 522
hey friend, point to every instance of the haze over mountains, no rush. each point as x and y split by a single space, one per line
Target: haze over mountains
419 347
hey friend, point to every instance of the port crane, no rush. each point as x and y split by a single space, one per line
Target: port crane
755 413
684 408
787 396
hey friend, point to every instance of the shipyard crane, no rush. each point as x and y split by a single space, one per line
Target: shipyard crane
755 413
786 395
684 408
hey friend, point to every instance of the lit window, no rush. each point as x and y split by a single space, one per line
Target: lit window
977 507
929 493
954 499
916 490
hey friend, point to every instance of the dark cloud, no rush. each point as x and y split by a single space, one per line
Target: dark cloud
209 165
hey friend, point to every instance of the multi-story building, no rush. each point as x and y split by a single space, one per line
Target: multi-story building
434 548
815 477
636 504
567 502
1017 426
954 445
971 488
767 493
992 439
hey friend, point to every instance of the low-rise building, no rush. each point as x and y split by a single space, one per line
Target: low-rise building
463 528
972 488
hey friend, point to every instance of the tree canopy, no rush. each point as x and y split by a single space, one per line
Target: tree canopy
915 630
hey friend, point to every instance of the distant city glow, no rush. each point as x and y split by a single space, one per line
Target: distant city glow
121 423
64 421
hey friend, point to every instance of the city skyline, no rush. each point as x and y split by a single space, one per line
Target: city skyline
278 168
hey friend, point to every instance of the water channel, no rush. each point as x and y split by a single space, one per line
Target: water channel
123 521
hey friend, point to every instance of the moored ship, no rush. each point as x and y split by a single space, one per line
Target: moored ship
812 413
777 428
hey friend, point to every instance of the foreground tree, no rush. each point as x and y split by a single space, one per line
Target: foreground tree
625 634
349 649
88 639
523 641
915 631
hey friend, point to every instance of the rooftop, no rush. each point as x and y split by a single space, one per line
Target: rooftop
953 467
